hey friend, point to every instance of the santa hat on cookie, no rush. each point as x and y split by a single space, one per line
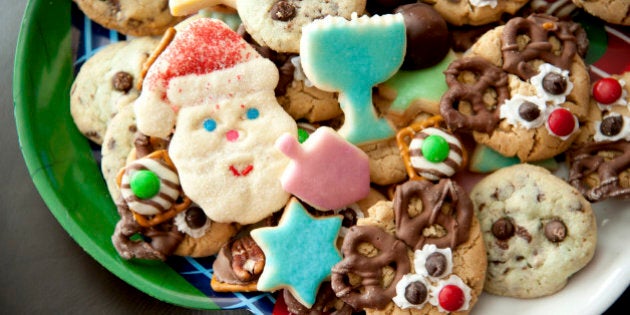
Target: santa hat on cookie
205 62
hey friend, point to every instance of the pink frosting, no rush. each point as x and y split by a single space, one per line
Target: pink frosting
326 171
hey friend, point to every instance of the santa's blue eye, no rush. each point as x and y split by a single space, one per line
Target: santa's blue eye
252 113
210 124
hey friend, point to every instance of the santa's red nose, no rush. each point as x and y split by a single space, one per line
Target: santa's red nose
231 135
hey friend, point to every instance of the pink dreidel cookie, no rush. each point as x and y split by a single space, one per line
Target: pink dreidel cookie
222 94
326 171
350 57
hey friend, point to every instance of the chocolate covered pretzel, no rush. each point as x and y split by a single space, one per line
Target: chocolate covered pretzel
445 204
370 292
539 28
478 115
606 161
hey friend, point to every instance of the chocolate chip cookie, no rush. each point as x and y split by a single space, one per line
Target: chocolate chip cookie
537 228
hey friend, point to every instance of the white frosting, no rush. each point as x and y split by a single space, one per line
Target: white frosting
509 111
406 280
434 285
484 3
452 280
182 226
165 174
622 101
624 134
357 211
537 81
420 258
298 73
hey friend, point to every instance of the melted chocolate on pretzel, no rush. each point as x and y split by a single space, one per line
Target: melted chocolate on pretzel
482 118
370 292
539 28
586 160
159 241
445 204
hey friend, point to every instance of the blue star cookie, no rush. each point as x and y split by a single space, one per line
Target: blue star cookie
299 252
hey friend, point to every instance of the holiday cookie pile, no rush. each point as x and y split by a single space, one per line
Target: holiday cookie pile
330 151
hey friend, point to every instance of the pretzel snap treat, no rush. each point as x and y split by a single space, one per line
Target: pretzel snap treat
150 186
383 275
432 153
238 265
533 105
600 163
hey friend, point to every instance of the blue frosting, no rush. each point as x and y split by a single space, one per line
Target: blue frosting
351 58
300 252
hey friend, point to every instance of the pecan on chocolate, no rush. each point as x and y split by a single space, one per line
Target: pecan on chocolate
248 259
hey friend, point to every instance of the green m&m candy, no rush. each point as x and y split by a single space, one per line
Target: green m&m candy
302 135
144 184
435 149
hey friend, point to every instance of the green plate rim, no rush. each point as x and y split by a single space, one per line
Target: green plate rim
156 279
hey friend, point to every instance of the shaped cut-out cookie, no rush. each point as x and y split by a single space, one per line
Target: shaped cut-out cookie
227 120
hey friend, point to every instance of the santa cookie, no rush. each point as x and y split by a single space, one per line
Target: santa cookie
225 118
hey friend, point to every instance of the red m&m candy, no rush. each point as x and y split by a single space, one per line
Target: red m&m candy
561 122
606 91
451 298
